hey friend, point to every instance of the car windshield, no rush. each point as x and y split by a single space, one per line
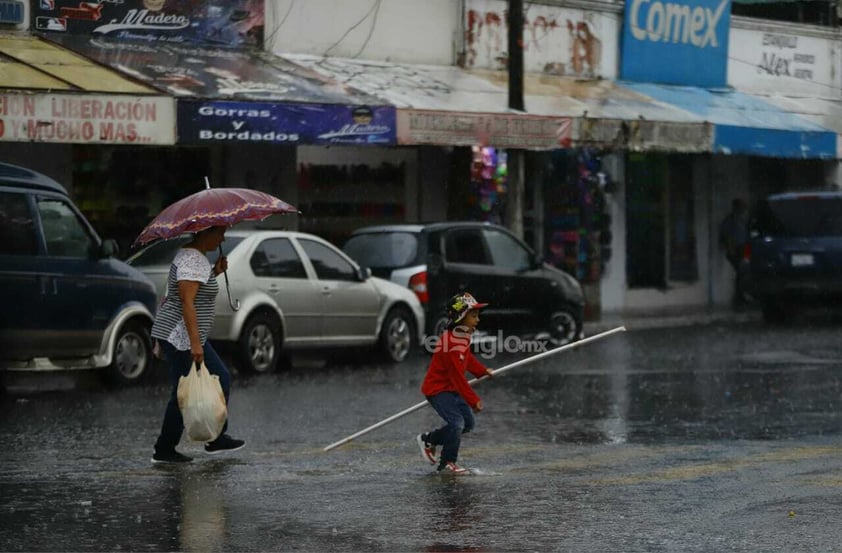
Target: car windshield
383 250
801 216
162 253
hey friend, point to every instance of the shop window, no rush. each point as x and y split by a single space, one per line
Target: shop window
337 199
328 265
277 258
17 231
120 189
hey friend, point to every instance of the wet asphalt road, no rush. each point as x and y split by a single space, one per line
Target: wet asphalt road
709 438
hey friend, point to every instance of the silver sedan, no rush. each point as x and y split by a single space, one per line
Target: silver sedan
297 291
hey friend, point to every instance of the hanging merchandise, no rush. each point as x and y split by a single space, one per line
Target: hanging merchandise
578 227
489 175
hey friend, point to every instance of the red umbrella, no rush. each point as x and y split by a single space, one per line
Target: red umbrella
212 207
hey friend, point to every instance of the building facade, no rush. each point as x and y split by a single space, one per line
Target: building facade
642 121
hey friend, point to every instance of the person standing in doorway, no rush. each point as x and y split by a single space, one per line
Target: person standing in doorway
733 236
181 329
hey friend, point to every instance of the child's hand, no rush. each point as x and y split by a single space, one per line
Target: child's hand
478 406
489 373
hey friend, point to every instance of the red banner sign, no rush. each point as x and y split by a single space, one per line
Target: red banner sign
503 130
88 119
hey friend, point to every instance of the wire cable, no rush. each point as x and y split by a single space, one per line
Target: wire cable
271 36
370 31
354 26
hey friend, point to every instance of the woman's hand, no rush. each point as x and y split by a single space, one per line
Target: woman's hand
489 373
198 354
221 265
478 407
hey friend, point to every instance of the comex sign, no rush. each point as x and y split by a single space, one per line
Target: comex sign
676 42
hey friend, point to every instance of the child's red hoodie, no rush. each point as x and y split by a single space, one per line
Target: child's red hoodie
451 358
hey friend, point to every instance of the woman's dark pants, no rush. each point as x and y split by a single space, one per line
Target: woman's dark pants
179 365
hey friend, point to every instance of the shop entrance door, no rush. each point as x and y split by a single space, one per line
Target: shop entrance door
660 224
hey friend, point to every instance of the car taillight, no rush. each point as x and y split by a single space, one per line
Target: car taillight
747 251
418 284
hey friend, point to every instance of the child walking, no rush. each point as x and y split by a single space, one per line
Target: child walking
446 387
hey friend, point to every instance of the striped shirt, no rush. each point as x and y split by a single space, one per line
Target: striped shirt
188 264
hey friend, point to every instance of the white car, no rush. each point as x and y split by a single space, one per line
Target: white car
296 291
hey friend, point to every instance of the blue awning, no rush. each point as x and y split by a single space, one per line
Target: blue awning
747 124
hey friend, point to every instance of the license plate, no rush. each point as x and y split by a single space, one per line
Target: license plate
801 259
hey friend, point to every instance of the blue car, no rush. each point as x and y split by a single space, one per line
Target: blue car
794 257
67 302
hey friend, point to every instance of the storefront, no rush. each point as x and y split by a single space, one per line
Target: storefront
66 113
242 116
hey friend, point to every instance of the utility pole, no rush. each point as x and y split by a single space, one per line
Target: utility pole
515 160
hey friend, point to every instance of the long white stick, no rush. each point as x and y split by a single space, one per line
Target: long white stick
472 382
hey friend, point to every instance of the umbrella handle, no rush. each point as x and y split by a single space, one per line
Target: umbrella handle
235 304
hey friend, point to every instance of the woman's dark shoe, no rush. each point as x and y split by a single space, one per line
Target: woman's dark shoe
171 456
224 443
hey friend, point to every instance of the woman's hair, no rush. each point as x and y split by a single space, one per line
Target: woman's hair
205 230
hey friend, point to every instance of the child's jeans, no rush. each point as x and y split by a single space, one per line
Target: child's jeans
459 418
179 365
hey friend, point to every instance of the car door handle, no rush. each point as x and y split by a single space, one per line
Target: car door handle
326 291
46 289
274 289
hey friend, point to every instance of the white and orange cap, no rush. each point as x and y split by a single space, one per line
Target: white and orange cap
460 304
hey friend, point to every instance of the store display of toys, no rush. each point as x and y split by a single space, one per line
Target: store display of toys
488 184
579 235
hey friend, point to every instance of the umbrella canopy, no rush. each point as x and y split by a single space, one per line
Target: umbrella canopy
212 207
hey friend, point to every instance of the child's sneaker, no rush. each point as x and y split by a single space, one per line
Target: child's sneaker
452 468
428 450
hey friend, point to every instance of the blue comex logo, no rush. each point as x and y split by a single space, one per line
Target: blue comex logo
682 42
671 22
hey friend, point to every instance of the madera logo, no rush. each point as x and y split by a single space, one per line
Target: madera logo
486 346
658 21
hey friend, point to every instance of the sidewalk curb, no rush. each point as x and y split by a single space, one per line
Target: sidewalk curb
644 321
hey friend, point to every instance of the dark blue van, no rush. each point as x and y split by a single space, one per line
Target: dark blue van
67 302
794 258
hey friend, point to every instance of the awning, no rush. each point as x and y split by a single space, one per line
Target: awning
448 105
30 63
824 112
245 95
50 94
748 124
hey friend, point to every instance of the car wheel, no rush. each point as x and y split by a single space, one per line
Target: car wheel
132 355
396 335
564 328
439 326
259 346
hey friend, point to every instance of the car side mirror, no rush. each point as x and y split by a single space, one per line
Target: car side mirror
108 248
363 273
538 261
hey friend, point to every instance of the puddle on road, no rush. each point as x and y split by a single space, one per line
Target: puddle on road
785 357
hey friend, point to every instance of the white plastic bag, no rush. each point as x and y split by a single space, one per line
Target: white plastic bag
202 404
